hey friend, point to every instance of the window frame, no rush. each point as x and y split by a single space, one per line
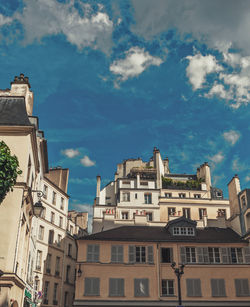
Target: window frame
94 255
137 287
167 287
116 289
91 280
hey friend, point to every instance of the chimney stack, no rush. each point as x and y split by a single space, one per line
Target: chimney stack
98 189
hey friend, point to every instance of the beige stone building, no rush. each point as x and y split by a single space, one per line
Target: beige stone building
37 255
147 193
133 266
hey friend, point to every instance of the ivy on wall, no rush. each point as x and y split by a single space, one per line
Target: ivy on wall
9 170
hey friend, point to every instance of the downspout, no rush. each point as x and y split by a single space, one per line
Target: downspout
158 271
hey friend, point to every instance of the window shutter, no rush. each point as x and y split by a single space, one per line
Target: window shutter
214 287
171 254
96 286
120 254
120 287
87 290
224 255
237 287
137 287
197 287
112 287
183 254
205 255
150 254
89 252
221 287
189 284
113 253
96 252
247 254
200 254
131 254
245 287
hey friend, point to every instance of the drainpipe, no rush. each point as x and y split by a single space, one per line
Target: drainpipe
158 271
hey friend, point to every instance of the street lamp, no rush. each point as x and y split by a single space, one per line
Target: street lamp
79 272
38 207
178 272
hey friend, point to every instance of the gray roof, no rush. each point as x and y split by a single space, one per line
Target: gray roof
13 112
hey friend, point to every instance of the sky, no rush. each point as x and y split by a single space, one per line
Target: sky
113 79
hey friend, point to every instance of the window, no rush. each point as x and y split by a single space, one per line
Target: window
183 231
242 287
141 287
135 195
66 295
218 194
202 212
236 255
67 273
46 289
168 195
182 195
214 254
62 206
45 191
51 237
43 214
70 250
148 198
57 268
53 198
52 217
60 222
145 183
197 195
243 201
126 182
193 287
37 283
41 232
186 212
126 196
55 294
188 254
149 216
48 263
92 286
141 254
116 287
59 239
38 260
167 287
171 211
125 215
218 287
116 253
93 253
222 212
166 255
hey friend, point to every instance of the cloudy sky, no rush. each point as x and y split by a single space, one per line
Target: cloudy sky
113 79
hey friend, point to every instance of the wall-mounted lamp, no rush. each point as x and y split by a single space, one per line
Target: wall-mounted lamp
79 272
38 207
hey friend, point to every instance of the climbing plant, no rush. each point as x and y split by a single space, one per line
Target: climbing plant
9 170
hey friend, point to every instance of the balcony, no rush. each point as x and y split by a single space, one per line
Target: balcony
191 184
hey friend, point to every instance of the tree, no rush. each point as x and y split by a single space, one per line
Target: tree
9 170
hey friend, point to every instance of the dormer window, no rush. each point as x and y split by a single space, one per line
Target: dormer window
183 231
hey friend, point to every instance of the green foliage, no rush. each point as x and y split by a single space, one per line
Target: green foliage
189 184
9 170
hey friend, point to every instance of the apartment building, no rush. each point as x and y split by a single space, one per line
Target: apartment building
133 266
147 193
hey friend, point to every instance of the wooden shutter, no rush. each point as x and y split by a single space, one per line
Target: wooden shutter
131 254
199 254
224 255
96 253
120 253
183 254
237 287
89 253
197 287
113 253
96 286
214 287
120 287
247 254
112 287
221 287
150 252
189 285
171 254
87 286
218 287
242 287
205 254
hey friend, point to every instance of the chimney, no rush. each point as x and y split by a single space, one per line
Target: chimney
233 191
21 87
157 159
98 189
138 181
166 166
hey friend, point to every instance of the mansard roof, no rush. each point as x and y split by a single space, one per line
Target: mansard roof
162 234
13 111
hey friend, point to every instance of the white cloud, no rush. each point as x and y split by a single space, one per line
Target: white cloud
49 17
231 136
217 158
85 161
83 181
70 153
220 91
247 178
5 20
198 68
237 165
135 62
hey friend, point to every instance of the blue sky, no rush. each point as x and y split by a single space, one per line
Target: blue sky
113 79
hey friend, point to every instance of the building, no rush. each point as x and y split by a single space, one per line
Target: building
37 254
147 193
133 266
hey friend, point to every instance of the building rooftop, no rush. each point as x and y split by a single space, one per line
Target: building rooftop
13 112
161 234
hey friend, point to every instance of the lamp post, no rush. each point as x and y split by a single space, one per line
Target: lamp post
178 272
38 207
